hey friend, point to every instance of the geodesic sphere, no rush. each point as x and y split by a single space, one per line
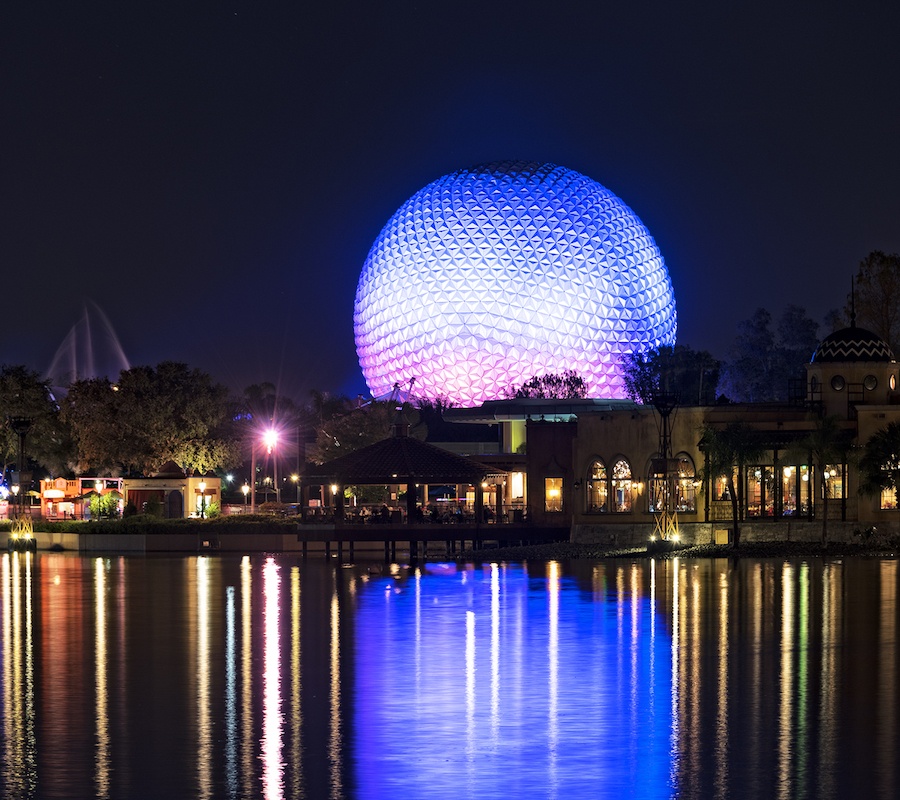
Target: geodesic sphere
493 275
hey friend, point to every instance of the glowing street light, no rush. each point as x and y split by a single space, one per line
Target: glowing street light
246 490
202 487
98 488
270 439
296 479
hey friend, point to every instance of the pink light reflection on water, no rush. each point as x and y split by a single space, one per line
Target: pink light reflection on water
271 744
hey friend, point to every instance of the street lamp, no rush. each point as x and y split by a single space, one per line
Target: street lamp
296 479
246 490
270 439
98 488
202 487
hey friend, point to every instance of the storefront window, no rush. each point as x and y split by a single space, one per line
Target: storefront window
834 481
720 489
789 489
760 491
553 494
598 489
804 489
621 486
685 486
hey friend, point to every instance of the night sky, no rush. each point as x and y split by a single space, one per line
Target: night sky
212 174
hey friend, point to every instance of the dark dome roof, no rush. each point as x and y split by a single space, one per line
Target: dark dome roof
852 344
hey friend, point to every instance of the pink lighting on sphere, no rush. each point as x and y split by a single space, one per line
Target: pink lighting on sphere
492 275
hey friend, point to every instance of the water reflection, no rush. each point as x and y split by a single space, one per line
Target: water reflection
559 666
239 678
273 765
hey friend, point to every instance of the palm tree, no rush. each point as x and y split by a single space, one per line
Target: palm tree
727 450
826 444
879 467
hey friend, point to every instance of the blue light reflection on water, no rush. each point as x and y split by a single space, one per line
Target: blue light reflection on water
495 682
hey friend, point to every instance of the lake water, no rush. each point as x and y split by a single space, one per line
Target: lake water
220 677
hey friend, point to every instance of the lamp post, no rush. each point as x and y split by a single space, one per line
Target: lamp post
270 439
202 487
296 479
246 490
98 488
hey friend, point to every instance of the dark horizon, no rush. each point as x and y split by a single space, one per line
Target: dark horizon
213 176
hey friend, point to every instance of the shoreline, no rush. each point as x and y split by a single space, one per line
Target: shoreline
570 551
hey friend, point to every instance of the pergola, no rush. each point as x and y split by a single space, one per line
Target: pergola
403 460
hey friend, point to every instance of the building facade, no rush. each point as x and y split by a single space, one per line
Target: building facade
600 466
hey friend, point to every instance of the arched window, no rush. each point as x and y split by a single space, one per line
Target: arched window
685 484
597 489
621 486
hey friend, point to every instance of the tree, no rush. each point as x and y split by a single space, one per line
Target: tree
152 415
729 450
879 465
91 415
825 445
361 427
762 364
689 374
876 296
796 342
24 394
567 385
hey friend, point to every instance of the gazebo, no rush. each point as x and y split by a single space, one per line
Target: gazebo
403 460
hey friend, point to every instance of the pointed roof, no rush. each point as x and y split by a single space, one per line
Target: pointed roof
399 459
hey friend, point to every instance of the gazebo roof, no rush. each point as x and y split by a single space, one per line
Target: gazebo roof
399 459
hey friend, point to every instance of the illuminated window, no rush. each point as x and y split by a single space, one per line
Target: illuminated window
622 486
552 494
761 491
686 484
679 483
889 497
597 489
834 481
720 488
517 486
789 490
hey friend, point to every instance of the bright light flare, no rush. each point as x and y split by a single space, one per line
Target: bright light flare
270 439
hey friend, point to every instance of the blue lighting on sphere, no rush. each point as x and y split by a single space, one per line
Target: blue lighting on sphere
492 275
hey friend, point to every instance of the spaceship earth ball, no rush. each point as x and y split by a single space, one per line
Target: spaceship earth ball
493 275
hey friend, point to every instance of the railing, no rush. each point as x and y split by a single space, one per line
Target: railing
450 513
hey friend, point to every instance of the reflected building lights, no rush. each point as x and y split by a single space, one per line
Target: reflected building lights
298 790
887 683
271 753
101 713
691 674
785 778
635 646
675 754
231 737
20 750
721 782
802 703
756 663
832 610
553 659
495 655
247 749
204 719
471 733
335 727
